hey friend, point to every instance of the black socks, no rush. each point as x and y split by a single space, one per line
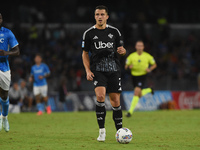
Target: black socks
117 117
101 114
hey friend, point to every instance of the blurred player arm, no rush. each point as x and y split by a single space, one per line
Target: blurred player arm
128 64
13 52
128 67
86 63
46 74
151 68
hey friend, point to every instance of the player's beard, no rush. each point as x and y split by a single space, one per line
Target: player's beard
101 24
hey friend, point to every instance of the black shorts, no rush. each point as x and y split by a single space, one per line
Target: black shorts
139 81
110 80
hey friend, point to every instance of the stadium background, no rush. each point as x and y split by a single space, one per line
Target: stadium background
170 32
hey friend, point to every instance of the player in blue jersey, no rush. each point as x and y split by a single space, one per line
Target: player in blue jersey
39 72
8 46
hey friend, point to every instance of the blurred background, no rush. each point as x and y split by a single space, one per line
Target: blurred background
169 29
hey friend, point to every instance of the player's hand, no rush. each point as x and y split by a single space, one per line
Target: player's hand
41 77
148 70
90 76
121 50
3 53
130 66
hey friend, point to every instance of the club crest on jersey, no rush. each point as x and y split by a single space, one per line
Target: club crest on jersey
110 35
100 44
1 40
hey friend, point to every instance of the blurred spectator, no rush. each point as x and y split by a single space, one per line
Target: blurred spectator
69 100
15 95
27 96
63 89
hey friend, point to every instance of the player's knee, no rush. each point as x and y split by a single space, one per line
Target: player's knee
4 96
100 97
115 102
137 91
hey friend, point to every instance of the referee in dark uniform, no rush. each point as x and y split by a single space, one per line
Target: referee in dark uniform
104 42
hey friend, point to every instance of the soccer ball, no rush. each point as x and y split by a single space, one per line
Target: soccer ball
124 135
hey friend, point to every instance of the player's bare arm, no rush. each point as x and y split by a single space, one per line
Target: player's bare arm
86 63
128 67
13 52
151 68
45 76
121 50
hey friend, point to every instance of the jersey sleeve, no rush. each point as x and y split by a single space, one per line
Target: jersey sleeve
119 40
151 60
86 42
46 68
12 41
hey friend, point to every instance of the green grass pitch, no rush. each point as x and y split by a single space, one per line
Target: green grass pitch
154 130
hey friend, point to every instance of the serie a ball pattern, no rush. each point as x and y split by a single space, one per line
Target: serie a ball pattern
124 135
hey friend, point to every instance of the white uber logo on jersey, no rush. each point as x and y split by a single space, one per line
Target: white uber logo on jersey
1 40
101 44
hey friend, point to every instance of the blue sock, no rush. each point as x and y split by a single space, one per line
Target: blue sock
5 106
40 106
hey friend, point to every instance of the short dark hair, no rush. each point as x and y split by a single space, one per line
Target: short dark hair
102 7
140 41
38 54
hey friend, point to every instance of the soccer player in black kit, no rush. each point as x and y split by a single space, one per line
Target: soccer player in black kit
104 42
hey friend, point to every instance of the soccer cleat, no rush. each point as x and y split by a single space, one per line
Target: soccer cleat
0 122
128 114
5 123
39 113
48 109
102 135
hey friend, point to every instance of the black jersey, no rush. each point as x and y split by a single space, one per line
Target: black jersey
103 43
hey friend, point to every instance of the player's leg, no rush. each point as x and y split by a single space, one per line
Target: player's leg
37 95
114 89
138 83
136 97
101 111
5 79
39 104
117 111
145 90
100 83
44 93
4 99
